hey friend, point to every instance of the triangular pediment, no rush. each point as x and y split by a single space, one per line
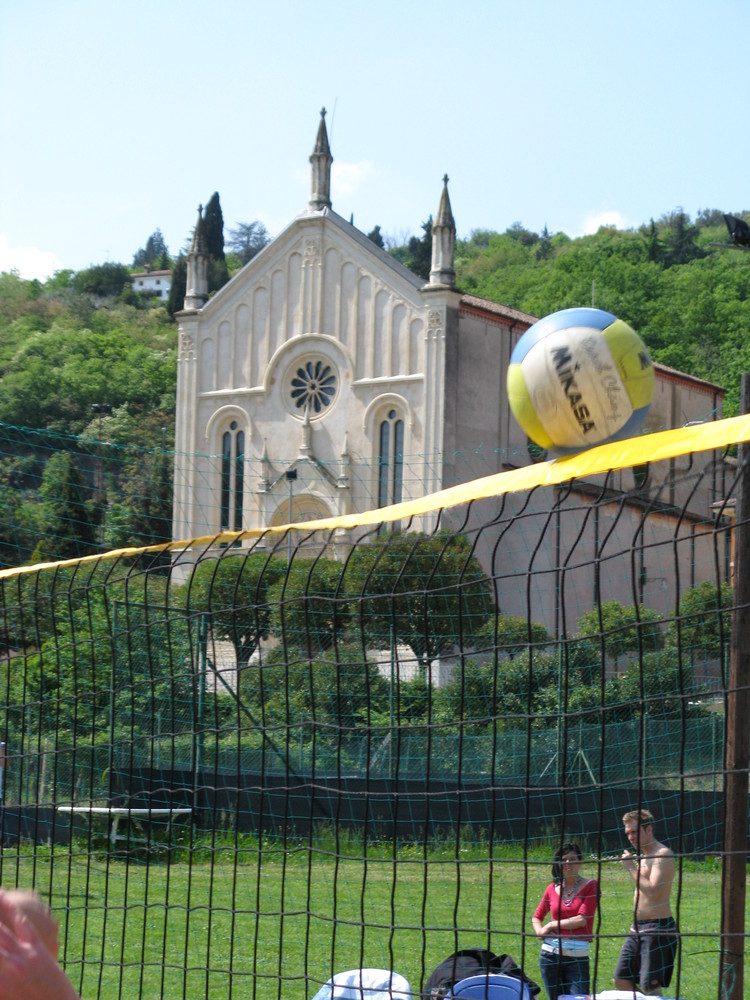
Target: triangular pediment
327 240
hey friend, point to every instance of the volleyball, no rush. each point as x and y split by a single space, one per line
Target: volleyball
578 378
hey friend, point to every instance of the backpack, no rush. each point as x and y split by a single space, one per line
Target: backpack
471 962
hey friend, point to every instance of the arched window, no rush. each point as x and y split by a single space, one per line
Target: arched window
232 477
391 459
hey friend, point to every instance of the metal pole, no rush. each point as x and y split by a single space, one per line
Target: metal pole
291 515
112 705
200 684
390 700
737 751
3 765
291 475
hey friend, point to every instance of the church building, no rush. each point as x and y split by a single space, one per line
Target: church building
325 378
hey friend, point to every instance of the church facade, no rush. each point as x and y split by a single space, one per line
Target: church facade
325 378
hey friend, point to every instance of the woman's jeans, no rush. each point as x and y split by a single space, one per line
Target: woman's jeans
562 975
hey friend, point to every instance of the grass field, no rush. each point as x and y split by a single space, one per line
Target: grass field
237 921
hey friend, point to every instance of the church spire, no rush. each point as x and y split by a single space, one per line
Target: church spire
196 286
442 271
321 160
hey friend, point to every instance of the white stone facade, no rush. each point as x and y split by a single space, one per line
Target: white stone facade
322 356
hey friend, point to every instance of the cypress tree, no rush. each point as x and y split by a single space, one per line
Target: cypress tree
213 226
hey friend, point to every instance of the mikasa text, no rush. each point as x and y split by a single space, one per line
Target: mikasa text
566 369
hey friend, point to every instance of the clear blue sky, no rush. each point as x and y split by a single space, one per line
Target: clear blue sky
118 118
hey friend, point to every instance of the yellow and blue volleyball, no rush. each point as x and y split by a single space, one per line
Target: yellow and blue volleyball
578 378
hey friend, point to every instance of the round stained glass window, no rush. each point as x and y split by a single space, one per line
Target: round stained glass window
314 385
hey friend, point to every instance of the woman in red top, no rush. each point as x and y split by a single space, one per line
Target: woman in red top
570 901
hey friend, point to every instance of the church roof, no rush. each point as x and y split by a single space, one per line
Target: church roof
473 303
673 375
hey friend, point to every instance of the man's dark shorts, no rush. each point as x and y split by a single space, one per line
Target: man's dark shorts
647 957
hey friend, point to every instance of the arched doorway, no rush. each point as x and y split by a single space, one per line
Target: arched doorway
297 509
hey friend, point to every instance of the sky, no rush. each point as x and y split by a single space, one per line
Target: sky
118 118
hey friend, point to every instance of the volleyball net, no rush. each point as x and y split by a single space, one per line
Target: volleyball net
239 764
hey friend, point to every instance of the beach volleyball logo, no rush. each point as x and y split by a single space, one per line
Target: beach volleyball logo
578 378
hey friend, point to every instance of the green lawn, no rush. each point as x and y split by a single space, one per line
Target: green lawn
229 923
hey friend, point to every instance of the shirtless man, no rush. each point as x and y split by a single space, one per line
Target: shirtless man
647 957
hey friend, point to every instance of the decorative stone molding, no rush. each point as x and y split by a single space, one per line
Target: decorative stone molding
186 345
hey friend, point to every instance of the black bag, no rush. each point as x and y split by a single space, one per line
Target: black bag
472 962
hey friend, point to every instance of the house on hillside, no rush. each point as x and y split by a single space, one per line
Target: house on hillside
154 283
326 379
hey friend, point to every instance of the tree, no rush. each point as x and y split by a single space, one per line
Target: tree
427 591
155 254
656 685
511 635
213 227
524 236
233 592
703 624
309 606
654 245
103 280
681 237
376 236
622 628
709 218
419 251
113 644
70 525
143 515
178 289
19 480
338 686
544 250
247 239
123 357
218 274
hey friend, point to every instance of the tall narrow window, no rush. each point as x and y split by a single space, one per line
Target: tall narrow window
232 478
391 460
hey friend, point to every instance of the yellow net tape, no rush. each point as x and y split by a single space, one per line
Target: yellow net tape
662 445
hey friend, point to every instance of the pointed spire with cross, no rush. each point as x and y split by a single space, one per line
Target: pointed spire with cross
321 160
442 271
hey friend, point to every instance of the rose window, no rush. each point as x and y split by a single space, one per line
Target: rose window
313 386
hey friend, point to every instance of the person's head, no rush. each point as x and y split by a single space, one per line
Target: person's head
567 861
638 825
38 914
